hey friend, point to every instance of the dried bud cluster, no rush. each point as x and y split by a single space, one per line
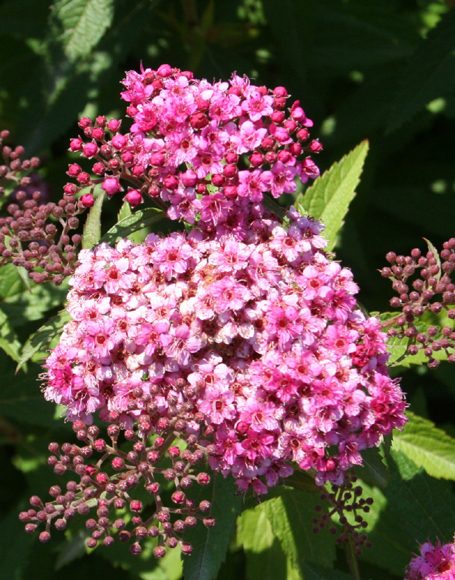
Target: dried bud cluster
111 471
426 292
347 505
36 234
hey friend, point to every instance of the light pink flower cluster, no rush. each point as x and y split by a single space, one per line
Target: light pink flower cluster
257 344
202 148
435 562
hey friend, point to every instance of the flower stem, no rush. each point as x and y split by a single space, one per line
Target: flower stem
352 560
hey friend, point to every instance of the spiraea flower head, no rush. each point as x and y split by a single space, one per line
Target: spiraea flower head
256 344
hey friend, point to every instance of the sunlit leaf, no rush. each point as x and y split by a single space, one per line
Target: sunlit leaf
427 446
328 199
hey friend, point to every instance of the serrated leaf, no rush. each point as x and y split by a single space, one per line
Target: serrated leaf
210 544
139 220
84 23
329 197
38 345
427 446
429 73
398 346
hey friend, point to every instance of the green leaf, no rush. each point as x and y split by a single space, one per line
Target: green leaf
10 282
83 24
135 222
21 398
9 342
416 507
15 546
38 345
92 227
427 446
124 212
281 526
398 346
374 470
210 544
290 516
34 303
329 197
429 74
264 555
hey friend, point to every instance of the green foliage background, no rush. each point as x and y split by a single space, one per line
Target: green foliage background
363 69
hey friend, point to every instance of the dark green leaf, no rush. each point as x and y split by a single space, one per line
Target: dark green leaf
429 74
139 220
291 515
416 508
21 398
39 344
83 24
317 572
210 544
15 545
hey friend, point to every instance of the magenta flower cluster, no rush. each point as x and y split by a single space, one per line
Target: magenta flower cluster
257 344
209 151
435 562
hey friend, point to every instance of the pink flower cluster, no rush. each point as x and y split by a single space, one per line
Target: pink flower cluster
209 151
435 562
256 344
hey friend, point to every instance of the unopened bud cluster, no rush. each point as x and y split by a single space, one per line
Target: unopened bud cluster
35 233
426 295
111 471
14 169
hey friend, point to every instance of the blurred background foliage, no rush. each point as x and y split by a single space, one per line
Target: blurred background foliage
384 71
